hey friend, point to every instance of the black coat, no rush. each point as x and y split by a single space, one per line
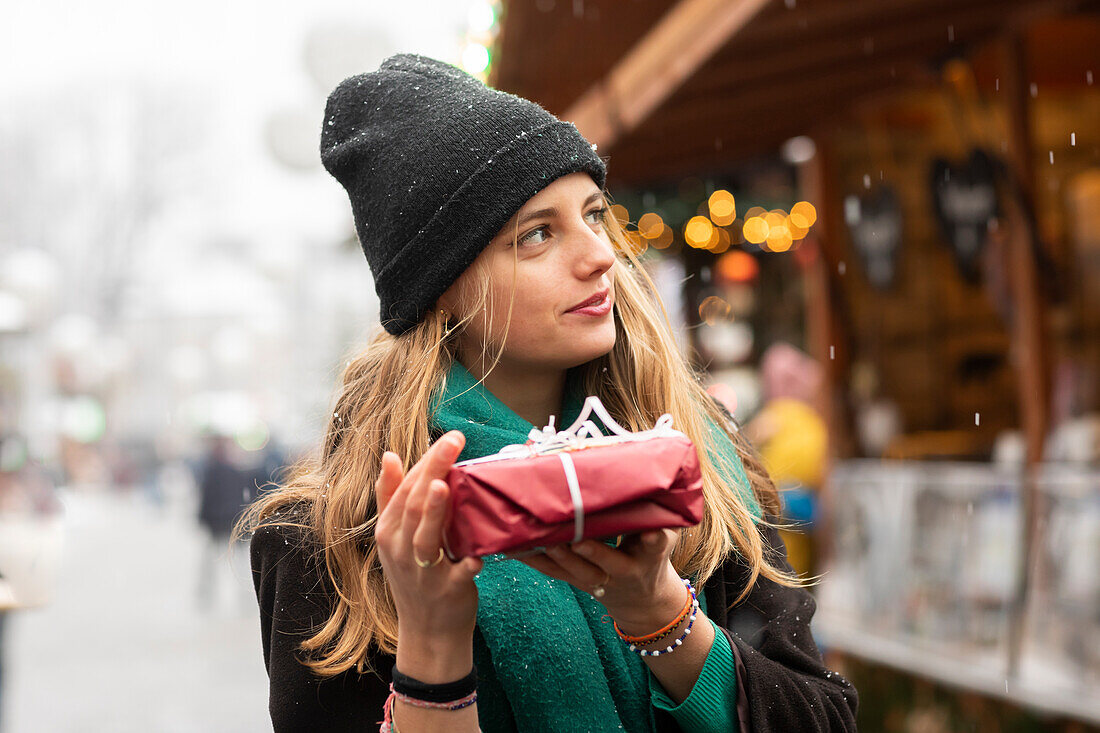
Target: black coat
223 495
783 685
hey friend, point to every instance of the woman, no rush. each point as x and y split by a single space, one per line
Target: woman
507 295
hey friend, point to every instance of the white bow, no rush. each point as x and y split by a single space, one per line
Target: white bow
549 439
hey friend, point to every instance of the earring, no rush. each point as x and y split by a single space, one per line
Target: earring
447 327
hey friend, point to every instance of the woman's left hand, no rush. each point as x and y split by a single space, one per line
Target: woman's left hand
641 589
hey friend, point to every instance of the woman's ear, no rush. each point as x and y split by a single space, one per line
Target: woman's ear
451 300
446 302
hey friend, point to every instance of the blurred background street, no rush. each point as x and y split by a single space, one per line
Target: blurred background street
178 282
126 645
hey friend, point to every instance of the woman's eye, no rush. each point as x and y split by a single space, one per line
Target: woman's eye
599 215
538 235
530 237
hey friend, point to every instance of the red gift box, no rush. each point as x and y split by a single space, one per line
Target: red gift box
571 485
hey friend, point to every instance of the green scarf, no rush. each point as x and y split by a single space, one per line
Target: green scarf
548 659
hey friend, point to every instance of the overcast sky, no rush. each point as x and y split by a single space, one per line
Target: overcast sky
246 61
232 42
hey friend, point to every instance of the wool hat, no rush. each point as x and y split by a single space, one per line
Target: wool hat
435 163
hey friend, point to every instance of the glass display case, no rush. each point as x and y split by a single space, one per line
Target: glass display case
926 576
1062 644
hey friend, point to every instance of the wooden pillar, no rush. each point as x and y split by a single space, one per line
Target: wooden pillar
1029 338
1028 328
826 329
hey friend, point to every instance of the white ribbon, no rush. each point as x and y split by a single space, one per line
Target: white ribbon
575 495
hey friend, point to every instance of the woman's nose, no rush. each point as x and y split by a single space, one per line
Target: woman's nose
595 254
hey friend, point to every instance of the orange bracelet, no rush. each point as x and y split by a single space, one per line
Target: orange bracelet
659 633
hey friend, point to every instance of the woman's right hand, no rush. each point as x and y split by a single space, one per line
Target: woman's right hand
437 605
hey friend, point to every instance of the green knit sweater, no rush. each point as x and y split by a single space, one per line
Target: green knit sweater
548 658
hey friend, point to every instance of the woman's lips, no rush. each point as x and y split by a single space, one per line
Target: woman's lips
596 309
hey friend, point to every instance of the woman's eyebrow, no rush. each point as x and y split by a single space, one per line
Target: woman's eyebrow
552 210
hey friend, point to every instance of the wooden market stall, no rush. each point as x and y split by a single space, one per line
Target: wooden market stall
921 113
669 90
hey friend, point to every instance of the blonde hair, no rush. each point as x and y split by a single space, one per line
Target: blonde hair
384 403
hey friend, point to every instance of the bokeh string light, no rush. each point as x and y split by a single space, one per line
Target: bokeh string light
804 214
714 310
621 214
636 243
719 229
664 239
723 243
755 230
722 207
651 225
699 232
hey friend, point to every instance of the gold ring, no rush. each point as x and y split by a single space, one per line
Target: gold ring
431 564
599 590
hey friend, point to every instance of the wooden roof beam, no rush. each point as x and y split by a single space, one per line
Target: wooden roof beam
751 105
855 19
821 56
645 160
658 64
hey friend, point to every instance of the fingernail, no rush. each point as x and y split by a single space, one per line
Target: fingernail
582 549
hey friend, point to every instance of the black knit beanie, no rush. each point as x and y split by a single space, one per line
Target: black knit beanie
435 163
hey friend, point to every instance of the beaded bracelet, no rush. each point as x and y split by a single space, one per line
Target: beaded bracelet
658 635
661 633
675 644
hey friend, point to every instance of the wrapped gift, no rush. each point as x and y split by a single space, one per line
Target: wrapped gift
564 486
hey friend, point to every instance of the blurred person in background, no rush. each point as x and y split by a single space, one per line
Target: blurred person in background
507 295
227 483
7 603
793 442
272 464
30 532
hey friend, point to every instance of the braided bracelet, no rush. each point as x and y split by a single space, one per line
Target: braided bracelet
389 725
665 630
411 691
462 702
675 644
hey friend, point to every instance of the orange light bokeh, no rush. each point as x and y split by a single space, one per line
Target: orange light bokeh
737 267
722 207
755 230
651 225
698 232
